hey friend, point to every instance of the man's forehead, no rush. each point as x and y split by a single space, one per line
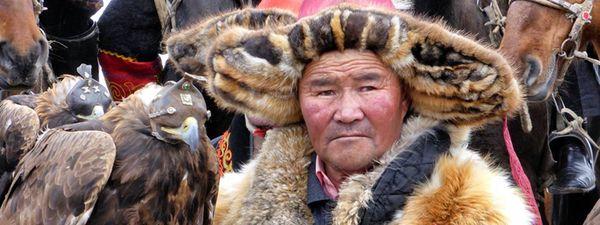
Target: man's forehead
361 62
336 78
341 58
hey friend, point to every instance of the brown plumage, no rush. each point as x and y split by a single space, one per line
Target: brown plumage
18 134
154 181
58 181
71 100
157 176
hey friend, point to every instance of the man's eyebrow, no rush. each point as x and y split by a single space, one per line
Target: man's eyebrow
367 77
322 81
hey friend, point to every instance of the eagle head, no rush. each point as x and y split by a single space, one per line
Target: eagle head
88 100
178 113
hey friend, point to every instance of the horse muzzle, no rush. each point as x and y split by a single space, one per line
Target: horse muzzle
539 79
21 71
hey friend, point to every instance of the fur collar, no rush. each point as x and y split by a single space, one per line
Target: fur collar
463 188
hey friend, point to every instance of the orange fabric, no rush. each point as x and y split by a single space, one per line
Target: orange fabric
224 154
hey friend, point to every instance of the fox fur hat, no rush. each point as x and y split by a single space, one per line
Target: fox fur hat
253 60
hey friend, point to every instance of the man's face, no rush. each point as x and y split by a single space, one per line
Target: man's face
353 107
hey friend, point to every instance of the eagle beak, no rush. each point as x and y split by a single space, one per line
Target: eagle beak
97 112
188 132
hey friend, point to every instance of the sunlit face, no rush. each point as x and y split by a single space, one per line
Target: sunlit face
353 106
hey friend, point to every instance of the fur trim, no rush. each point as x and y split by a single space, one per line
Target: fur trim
465 189
188 49
272 189
277 192
451 78
233 186
54 100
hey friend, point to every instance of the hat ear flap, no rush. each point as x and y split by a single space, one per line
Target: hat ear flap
457 79
188 49
255 72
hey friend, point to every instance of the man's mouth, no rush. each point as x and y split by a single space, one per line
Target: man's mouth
348 136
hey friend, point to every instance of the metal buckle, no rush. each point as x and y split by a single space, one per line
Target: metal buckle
568 48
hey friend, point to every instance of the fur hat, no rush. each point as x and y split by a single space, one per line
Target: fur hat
254 66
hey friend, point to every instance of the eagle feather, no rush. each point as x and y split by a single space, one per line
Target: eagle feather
149 181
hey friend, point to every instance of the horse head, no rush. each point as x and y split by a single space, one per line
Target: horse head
543 36
23 47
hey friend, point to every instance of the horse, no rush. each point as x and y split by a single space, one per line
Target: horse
475 18
133 30
73 36
543 37
536 37
23 48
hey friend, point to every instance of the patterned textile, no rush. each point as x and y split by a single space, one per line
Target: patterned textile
224 154
234 147
125 75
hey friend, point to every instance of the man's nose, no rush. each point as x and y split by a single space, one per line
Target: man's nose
349 109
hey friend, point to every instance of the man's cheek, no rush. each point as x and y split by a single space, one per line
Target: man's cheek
312 107
379 105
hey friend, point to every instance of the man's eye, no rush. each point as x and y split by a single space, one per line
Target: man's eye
326 93
367 88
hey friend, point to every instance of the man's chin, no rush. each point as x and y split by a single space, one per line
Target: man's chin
351 152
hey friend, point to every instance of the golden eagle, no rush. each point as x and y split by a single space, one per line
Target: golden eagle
71 100
153 165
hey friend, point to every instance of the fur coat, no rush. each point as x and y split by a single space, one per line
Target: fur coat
253 59
463 188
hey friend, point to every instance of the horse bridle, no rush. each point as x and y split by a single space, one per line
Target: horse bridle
582 13
495 21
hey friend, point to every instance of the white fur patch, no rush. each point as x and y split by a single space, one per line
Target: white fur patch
231 181
148 93
403 4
